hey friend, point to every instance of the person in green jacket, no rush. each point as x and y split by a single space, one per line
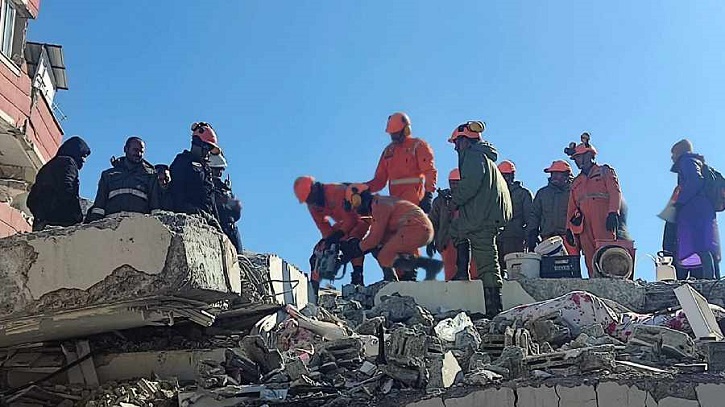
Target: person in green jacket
484 208
548 213
513 237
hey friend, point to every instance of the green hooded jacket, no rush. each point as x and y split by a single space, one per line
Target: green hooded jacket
482 195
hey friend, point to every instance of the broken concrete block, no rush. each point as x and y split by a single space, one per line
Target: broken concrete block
395 308
543 396
256 350
368 368
115 259
442 371
665 341
353 312
408 346
439 296
698 312
449 327
295 369
512 359
482 378
714 355
478 360
468 338
370 326
503 397
410 376
110 262
710 395
580 396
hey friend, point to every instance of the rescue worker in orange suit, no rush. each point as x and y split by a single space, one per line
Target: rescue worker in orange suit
406 165
397 230
513 237
595 201
441 215
548 212
326 202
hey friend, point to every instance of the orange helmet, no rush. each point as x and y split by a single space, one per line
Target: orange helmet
584 147
558 166
398 122
352 194
507 167
205 133
455 175
303 187
470 129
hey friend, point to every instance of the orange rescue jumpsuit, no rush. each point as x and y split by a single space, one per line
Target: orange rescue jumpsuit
398 227
595 196
409 169
349 222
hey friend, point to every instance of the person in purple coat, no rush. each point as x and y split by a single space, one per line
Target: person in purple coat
698 240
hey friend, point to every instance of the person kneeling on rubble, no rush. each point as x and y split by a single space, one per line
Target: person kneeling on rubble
327 202
192 186
130 185
54 199
398 229
228 206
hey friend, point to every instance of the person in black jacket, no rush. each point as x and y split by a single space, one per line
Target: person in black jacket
163 175
54 199
228 206
130 185
192 187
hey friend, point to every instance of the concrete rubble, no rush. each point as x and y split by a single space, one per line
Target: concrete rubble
171 329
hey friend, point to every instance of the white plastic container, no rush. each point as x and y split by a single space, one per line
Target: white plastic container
527 265
665 269
553 246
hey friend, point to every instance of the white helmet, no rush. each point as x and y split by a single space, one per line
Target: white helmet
217 161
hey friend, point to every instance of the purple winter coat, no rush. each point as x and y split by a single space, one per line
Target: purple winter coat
697 229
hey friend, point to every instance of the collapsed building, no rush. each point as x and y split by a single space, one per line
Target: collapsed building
167 313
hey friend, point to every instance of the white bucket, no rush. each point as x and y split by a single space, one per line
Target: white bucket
553 246
523 264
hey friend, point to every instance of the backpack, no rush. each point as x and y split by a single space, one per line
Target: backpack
714 187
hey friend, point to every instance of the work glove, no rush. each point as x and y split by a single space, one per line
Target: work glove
569 237
612 222
426 202
430 250
334 238
350 249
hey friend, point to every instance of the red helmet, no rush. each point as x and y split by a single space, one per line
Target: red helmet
507 167
206 133
558 166
303 187
398 122
470 129
455 175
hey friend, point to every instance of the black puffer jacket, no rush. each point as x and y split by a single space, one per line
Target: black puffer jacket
192 188
126 187
54 198
229 211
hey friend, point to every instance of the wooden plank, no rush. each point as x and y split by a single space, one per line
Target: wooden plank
83 348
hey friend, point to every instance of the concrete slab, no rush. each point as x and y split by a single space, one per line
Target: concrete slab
165 364
710 395
513 295
580 396
289 284
698 312
503 397
678 402
440 296
434 402
610 394
538 397
116 259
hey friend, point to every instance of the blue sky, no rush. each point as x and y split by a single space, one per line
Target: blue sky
305 87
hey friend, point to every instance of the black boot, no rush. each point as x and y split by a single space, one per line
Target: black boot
431 266
463 261
316 287
389 274
406 264
492 298
356 277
